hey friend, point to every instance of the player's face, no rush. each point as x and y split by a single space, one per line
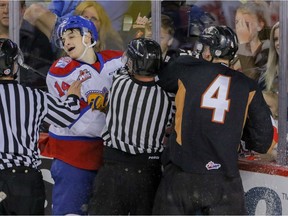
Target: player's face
91 14
4 13
72 43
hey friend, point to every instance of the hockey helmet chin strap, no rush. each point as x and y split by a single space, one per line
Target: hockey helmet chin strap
86 46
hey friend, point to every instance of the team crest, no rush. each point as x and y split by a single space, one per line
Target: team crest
84 75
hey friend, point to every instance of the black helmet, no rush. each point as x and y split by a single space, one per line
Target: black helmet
222 40
146 56
9 53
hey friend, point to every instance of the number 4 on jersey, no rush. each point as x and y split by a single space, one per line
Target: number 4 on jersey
215 97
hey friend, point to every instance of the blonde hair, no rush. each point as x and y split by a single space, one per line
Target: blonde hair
270 75
106 30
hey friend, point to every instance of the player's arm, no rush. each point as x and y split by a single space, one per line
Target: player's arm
168 77
258 131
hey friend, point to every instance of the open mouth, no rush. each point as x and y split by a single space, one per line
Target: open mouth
70 49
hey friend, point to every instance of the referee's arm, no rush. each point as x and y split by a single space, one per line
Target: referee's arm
62 113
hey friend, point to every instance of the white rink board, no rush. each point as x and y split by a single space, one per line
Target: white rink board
265 194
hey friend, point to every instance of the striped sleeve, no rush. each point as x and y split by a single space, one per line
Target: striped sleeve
62 113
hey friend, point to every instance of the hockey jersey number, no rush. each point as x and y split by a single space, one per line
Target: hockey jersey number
61 89
215 97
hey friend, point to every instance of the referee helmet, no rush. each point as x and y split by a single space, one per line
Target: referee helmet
145 55
10 58
222 40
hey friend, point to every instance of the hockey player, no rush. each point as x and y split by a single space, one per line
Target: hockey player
138 113
213 102
77 151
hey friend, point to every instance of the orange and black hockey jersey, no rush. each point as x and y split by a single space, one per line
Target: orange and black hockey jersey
213 104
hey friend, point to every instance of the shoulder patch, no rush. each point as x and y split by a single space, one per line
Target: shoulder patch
62 62
63 66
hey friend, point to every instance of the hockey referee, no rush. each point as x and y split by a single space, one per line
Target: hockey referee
22 110
138 113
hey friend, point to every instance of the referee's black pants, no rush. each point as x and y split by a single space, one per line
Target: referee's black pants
125 185
22 191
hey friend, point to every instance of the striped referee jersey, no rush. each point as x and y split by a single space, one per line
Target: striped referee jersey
22 110
137 116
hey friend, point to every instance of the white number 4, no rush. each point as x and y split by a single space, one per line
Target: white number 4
215 97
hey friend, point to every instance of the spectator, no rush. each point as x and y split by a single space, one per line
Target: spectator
270 77
270 94
77 150
166 33
48 22
173 10
114 9
138 113
251 21
201 174
34 45
22 111
108 37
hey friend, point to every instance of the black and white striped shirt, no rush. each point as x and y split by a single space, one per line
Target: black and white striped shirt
22 110
137 116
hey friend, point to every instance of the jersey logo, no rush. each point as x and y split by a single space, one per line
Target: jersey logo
84 75
7 71
211 165
63 62
98 100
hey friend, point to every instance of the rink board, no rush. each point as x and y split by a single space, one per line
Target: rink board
265 185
